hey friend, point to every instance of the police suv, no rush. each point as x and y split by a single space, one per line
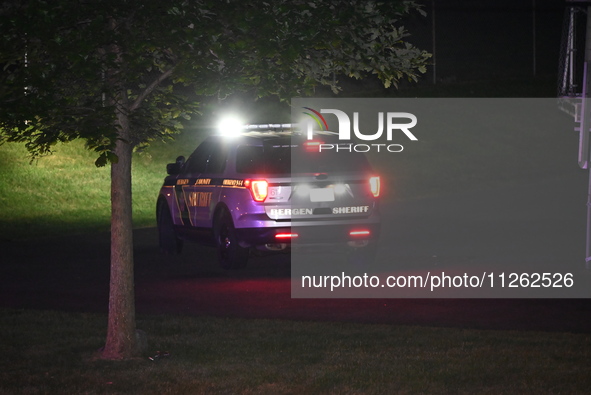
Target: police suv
270 189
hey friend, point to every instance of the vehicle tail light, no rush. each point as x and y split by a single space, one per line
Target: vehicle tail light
374 186
360 233
258 189
313 145
284 236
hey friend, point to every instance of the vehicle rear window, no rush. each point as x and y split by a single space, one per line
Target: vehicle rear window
266 160
280 159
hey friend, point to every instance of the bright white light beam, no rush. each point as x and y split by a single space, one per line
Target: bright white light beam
230 126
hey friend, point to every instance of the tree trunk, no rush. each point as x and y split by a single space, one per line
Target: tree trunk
121 332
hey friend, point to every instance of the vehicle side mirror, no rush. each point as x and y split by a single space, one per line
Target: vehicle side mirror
175 168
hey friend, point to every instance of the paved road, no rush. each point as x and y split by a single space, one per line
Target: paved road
538 224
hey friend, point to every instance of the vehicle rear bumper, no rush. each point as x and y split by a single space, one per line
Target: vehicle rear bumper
309 234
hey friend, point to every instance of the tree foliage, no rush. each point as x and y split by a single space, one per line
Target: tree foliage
66 63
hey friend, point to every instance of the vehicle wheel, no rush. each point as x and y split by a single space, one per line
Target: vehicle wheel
167 239
363 257
230 254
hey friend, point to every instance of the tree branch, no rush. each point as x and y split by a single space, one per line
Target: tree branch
150 88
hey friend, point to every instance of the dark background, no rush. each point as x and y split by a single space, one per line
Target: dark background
476 40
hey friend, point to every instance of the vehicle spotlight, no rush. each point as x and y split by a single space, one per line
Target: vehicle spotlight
230 126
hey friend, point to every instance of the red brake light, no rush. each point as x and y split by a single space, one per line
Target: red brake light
258 189
286 235
374 186
313 145
359 233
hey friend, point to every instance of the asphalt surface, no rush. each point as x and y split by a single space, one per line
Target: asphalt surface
530 226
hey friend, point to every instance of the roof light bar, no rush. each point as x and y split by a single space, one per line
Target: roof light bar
268 126
230 126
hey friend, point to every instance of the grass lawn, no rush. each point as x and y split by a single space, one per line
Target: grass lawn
51 352
66 193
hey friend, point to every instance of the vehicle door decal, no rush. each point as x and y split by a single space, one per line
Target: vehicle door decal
181 202
199 199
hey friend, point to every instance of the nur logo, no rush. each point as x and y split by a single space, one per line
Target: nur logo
393 121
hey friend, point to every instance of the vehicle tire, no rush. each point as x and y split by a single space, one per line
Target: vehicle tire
167 238
230 254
